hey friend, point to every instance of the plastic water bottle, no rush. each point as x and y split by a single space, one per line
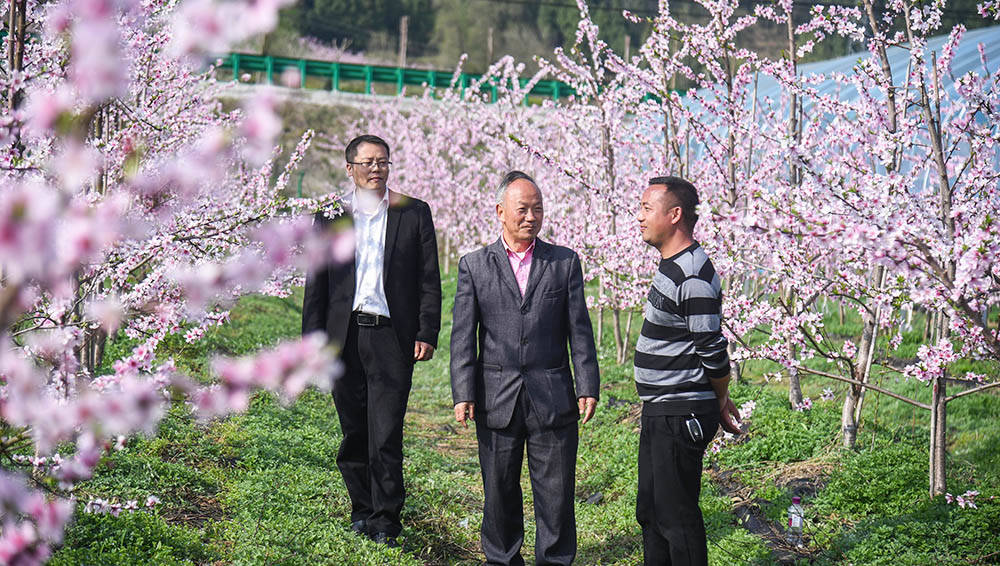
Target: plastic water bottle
795 519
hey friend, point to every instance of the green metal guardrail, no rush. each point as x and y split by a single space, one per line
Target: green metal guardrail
369 74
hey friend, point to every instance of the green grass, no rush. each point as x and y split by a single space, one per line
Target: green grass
263 487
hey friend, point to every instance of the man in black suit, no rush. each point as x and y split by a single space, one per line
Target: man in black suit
519 303
385 308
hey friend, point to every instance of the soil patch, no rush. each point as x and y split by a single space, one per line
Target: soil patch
804 479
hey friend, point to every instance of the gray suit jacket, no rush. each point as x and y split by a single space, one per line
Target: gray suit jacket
501 342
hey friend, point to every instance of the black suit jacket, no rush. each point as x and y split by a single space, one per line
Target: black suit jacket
501 342
410 277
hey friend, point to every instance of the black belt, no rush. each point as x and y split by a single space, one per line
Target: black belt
368 319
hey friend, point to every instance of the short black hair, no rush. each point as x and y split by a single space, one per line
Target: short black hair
510 178
352 148
686 195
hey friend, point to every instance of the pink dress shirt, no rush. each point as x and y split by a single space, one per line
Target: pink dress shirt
520 263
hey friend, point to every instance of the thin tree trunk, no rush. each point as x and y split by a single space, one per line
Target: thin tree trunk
447 256
848 425
736 368
628 336
794 387
869 339
938 437
741 283
938 480
17 22
617 328
850 415
600 311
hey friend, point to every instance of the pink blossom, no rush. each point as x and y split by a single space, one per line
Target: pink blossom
107 312
96 67
291 77
849 348
260 126
46 107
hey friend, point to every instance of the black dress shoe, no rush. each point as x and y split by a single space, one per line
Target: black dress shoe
359 527
384 538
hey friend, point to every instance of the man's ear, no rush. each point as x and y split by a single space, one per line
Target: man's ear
676 215
500 211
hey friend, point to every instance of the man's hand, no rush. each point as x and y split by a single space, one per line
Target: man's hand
465 411
422 351
587 407
729 417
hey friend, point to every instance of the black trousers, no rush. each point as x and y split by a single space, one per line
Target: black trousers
371 398
552 468
670 466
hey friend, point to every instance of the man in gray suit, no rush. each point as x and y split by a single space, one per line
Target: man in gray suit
519 304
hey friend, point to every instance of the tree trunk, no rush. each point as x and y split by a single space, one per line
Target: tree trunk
850 414
447 256
938 479
788 297
600 326
745 285
737 370
848 424
939 437
16 36
92 352
617 328
794 387
869 339
628 336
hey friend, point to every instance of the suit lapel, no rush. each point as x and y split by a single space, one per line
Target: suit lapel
539 261
391 229
502 265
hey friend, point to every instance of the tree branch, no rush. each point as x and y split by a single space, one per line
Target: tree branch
913 402
971 391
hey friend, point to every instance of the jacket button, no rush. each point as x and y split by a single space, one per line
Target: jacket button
524 341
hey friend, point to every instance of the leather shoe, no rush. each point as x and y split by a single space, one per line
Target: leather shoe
359 527
384 538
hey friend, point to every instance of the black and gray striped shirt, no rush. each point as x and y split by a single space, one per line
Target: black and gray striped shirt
681 345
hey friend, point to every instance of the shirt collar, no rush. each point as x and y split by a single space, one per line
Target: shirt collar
519 255
384 203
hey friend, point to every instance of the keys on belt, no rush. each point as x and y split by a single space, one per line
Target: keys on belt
368 319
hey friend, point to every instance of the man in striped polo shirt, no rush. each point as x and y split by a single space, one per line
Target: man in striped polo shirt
682 376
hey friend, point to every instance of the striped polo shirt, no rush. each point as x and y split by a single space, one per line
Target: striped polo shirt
681 346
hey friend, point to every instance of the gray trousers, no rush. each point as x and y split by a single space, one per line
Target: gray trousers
552 468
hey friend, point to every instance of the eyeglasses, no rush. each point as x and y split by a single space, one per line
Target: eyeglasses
381 164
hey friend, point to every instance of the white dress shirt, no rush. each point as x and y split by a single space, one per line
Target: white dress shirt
370 219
